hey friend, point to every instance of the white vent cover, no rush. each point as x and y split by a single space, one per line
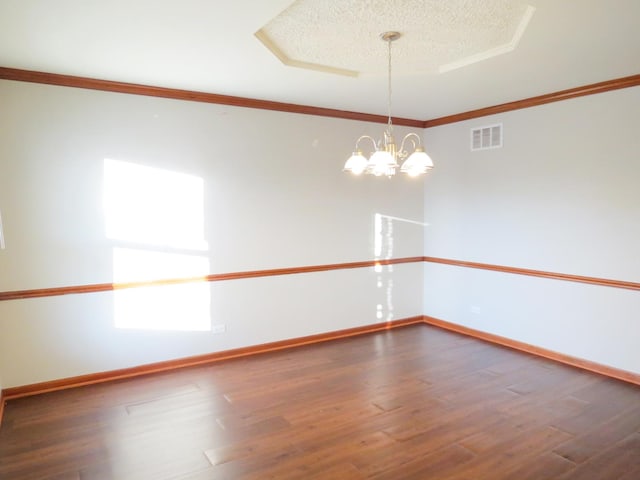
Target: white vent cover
483 138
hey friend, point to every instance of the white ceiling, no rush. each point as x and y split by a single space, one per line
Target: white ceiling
210 46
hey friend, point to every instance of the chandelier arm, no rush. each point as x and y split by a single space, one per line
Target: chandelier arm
410 137
375 147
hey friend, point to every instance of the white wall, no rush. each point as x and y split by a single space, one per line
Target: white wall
274 196
562 195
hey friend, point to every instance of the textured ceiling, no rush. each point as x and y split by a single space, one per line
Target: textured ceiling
211 46
343 37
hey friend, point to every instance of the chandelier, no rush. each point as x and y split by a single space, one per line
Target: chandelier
386 156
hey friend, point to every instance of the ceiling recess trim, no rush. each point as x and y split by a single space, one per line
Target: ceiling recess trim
493 52
273 48
188 95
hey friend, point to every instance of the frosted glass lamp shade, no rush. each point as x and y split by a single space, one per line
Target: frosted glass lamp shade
356 164
382 163
417 163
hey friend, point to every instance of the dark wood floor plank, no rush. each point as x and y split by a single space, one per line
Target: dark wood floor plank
436 464
544 466
522 452
412 403
632 474
583 447
611 463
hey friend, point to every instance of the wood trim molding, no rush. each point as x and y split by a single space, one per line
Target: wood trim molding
90 379
192 96
95 378
217 277
603 282
188 95
601 87
538 351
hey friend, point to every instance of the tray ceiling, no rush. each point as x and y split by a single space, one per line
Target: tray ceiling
454 56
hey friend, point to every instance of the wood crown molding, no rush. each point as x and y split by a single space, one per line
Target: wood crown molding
192 96
94 378
600 87
605 370
188 95
603 282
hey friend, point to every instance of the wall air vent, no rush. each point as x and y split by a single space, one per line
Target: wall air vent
483 138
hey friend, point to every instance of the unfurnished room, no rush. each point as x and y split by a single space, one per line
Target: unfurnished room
319 239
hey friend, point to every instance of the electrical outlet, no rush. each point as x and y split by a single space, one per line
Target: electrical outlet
475 309
220 328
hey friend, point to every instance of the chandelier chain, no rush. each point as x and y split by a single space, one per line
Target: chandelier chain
389 41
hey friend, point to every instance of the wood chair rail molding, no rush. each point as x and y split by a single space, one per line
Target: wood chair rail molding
31 76
105 287
217 277
603 282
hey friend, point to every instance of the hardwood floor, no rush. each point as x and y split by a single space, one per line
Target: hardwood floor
415 402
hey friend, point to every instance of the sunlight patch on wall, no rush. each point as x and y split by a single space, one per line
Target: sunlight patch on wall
383 249
155 218
152 206
183 306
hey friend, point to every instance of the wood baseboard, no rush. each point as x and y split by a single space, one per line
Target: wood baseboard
90 379
541 352
8 394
